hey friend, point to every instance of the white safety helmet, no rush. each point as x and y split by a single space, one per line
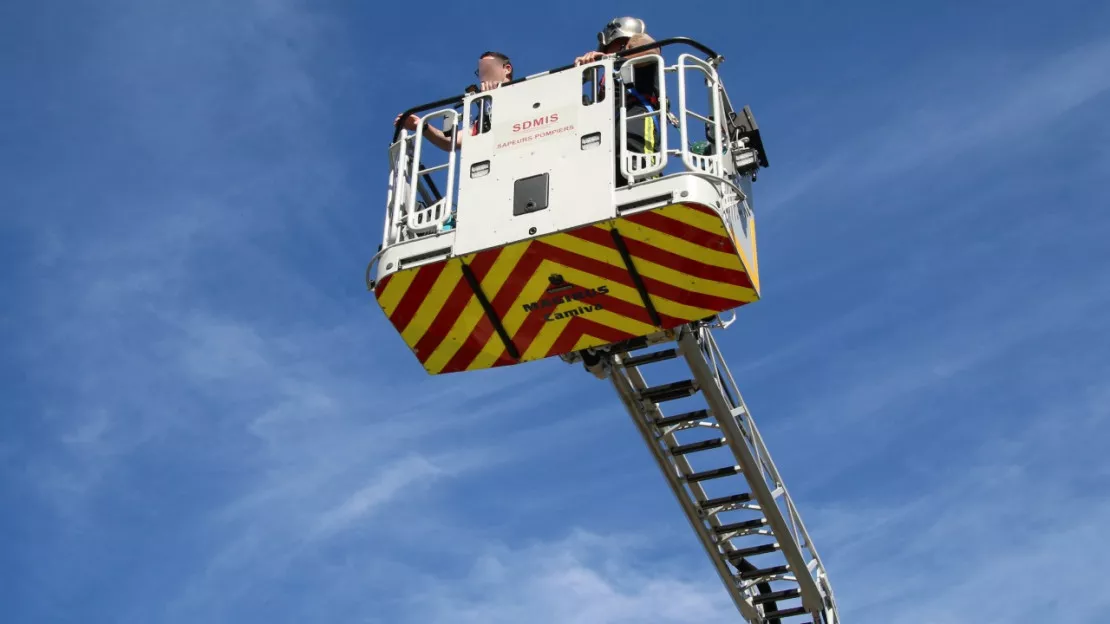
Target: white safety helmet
618 28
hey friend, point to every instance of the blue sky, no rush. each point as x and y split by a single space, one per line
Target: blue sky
207 419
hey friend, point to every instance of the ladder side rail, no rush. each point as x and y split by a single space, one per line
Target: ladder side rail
690 347
628 382
760 448
802 535
766 467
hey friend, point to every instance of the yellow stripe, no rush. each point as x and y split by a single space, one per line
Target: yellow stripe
513 319
534 290
545 338
553 329
473 312
621 322
652 270
695 218
616 291
395 289
586 341
631 295
753 269
723 258
432 303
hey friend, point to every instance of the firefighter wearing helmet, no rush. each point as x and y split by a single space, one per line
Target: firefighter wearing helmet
618 29
642 95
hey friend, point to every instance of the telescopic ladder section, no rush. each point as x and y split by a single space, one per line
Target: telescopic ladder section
734 497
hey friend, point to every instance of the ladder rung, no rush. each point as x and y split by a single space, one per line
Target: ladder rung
735 499
682 418
694 447
763 572
785 594
713 474
744 553
668 392
740 526
785 613
650 358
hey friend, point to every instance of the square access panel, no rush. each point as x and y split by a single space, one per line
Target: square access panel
530 194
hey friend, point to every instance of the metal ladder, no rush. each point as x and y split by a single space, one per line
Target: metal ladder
746 520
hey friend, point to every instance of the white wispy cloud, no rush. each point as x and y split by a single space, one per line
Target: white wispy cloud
999 523
172 328
949 117
583 577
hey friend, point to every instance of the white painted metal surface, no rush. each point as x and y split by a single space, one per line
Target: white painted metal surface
539 127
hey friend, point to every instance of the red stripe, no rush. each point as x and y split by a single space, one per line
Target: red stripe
686 265
656 221
580 326
619 275
517 279
456 301
539 251
379 288
566 340
626 309
416 294
667 259
472 346
514 284
702 208
637 312
604 332
537 319
482 331
529 329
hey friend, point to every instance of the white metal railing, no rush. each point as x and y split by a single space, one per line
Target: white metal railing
400 162
412 211
638 166
430 218
706 163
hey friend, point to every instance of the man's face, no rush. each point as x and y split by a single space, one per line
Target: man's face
492 70
616 45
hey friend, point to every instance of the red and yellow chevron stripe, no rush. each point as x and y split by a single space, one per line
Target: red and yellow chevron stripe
568 291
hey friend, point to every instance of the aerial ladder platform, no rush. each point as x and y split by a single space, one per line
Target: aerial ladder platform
544 235
718 468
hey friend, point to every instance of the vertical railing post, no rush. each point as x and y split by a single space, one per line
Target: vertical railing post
398 190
